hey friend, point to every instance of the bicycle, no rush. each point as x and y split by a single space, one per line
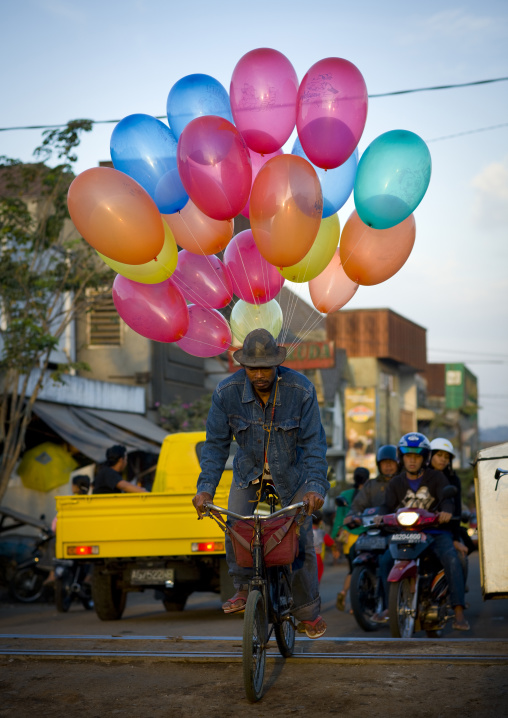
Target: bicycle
269 602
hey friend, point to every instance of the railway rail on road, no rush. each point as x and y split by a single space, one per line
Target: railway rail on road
229 649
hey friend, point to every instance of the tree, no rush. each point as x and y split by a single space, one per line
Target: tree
176 416
45 269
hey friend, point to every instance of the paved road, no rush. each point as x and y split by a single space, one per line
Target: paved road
203 616
139 685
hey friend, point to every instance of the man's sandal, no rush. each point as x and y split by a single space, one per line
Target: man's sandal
236 603
313 629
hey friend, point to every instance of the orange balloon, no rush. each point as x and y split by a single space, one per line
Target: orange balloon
286 205
197 233
371 256
116 215
332 289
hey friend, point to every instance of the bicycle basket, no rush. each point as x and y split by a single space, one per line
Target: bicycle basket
279 537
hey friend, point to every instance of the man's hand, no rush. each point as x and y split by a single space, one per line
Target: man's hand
352 521
314 501
443 517
200 500
460 548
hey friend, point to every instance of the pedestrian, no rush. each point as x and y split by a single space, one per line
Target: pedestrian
273 414
321 539
347 535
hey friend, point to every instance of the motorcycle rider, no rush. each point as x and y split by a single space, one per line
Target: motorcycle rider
373 492
417 485
441 457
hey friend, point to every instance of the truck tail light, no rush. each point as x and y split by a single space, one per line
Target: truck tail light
208 546
82 550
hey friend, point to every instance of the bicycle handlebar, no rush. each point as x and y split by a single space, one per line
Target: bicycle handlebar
285 510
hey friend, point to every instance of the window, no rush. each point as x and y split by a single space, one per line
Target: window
104 327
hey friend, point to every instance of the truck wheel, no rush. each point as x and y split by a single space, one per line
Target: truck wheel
109 599
175 599
227 587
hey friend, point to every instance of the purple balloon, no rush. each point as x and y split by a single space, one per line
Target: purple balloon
263 92
331 111
155 311
203 279
255 280
208 335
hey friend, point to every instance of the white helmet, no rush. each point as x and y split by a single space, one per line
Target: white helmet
442 445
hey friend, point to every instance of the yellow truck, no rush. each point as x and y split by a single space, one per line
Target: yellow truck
141 541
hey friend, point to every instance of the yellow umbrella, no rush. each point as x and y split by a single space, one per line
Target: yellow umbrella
46 466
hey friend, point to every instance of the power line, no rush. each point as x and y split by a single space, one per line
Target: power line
441 87
460 351
381 94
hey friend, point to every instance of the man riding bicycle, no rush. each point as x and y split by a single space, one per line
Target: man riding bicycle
272 412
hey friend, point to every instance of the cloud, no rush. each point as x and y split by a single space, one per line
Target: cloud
490 202
455 23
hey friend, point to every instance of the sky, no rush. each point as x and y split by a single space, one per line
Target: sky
104 60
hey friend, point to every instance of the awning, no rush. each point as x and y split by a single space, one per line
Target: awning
92 431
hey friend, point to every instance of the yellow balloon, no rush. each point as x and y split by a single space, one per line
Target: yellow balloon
245 317
156 270
320 254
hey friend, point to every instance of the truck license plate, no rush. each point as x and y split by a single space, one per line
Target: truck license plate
151 576
407 538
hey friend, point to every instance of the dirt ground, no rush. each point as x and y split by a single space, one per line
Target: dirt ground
140 689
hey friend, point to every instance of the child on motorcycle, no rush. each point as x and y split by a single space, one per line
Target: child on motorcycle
420 486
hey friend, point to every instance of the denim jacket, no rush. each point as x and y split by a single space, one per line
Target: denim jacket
297 447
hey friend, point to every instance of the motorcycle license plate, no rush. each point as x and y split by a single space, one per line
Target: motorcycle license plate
407 538
151 576
370 543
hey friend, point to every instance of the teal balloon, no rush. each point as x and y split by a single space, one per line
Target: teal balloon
392 177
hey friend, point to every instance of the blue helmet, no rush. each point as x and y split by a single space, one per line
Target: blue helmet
414 443
388 451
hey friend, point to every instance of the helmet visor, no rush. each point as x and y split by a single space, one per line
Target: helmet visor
411 450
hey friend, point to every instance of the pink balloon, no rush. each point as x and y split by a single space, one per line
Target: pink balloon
214 166
203 279
257 162
331 111
255 280
208 335
332 289
156 311
263 92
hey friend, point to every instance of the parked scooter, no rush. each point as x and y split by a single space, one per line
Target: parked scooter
28 580
366 588
71 584
419 596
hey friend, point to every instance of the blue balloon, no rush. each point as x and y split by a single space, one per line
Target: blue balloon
145 149
336 184
392 178
194 96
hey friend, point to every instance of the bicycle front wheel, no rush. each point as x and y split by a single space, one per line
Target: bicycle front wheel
283 624
254 646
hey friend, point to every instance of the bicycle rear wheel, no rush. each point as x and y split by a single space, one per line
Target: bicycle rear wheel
283 624
254 646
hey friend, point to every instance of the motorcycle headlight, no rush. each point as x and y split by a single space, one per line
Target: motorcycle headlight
408 518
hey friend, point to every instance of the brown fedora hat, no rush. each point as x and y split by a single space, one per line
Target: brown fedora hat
260 350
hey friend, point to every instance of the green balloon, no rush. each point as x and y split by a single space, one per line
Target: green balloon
246 317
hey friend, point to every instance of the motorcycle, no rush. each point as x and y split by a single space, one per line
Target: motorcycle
366 587
71 584
28 580
419 596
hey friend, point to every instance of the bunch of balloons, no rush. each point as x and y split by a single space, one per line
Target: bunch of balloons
182 184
